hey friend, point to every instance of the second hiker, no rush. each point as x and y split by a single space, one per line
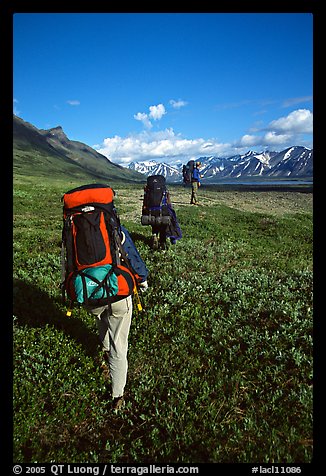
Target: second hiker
157 211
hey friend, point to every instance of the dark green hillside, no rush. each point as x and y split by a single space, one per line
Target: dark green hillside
43 153
33 156
80 153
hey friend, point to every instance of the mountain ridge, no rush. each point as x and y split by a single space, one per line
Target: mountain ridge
43 152
293 162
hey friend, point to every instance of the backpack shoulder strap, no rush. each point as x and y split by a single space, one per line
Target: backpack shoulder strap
125 258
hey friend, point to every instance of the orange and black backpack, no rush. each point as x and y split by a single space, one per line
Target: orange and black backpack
95 268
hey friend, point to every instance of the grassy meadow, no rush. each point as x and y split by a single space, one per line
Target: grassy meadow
220 361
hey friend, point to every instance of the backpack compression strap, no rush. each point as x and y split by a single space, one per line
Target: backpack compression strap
100 285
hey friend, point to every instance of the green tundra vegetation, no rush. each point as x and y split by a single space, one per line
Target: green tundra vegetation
220 360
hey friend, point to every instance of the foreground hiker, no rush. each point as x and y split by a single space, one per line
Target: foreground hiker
102 269
157 211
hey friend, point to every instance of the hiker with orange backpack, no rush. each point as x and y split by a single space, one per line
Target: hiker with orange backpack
102 269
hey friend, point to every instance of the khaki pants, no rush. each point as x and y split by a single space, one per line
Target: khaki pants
113 323
194 186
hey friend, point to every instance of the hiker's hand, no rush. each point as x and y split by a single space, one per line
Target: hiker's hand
143 286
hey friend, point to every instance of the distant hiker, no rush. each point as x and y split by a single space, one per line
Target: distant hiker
157 211
195 183
102 269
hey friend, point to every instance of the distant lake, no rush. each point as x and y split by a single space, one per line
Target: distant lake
305 186
258 182
293 185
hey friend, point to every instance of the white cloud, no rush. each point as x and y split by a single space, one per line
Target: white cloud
73 102
157 112
161 146
273 139
282 132
248 140
293 101
299 121
15 109
177 104
143 117
267 140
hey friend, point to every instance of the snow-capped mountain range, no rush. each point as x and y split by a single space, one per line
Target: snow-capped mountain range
151 167
293 162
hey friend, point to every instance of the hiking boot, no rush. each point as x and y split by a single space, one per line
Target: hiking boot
163 245
118 404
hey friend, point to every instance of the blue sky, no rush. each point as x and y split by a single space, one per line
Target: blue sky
167 86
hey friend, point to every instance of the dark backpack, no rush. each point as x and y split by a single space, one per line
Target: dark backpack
155 203
187 171
95 268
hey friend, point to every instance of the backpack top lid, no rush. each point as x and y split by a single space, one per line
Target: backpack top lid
156 181
155 191
88 194
191 165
